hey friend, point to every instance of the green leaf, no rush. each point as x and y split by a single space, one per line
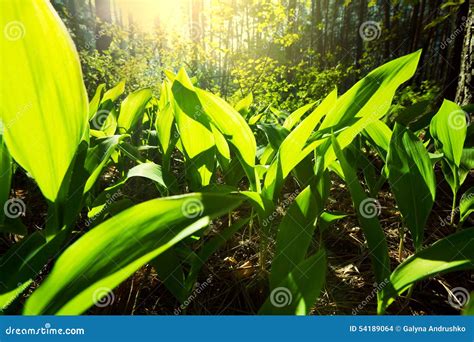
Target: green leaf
380 134
295 232
24 261
196 137
297 293
233 126
6 169
95 102
292 150
296 116
412 180
466 205
132 109
110 253
448 127
367 101
243 106
99 155
164 121
113 94
44 101
366 209
452 253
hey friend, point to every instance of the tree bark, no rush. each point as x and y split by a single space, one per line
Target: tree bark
103 13
460 30
465 91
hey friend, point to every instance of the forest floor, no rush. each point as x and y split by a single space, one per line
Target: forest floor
237 283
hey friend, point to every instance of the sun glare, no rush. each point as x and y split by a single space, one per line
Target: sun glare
147 13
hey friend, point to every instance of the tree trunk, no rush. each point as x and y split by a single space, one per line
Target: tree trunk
460 30
103 13
465 91
360 41
387 7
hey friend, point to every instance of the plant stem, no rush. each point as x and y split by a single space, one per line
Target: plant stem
401 244
453 208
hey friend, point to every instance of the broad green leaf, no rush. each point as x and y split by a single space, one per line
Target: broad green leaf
24 261
99 155
372 96
132 109
197 139
367 211
148 170
466 205
114 93
448 128
233 126
164 121
292 150
275 135
44 102
366 102
297 293
412 180
295 232
296 116
168 266
110 253
327 219
380 134
243 106
95 102
6 169
452 253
